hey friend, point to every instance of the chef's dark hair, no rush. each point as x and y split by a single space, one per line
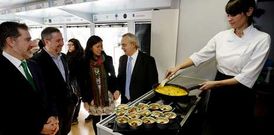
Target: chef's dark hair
234 7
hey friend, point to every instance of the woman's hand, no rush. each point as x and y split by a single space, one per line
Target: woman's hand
214 84
86 106
171 71
116 94
209 85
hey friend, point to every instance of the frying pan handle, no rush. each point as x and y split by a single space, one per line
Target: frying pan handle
194 87
154 86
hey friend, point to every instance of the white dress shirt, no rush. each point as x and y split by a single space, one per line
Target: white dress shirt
58 62
134 58
240 57
16 62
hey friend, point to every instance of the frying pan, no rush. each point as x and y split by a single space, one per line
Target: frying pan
170 97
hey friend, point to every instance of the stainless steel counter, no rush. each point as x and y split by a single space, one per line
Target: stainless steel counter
105 127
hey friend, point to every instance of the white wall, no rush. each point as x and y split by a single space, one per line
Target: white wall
164 29
199 21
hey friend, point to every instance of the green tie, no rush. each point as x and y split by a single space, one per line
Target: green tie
29 77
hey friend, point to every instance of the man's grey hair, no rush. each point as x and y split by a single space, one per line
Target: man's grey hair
132 39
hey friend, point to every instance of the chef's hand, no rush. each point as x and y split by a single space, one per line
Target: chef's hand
116 94
209 85
171 71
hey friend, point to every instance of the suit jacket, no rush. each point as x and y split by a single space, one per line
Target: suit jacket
23 109
58 88
144 75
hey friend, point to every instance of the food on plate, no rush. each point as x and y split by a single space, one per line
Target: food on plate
148 120
154 106
162 122
135 123
170 115
165 108
171 91
156 114
122 107
133 115
122 121
133 109
120 112
142 106
145 113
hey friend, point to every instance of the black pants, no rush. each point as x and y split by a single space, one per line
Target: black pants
95 120
77 109
230 109
65 119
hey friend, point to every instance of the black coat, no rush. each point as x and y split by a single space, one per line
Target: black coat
58 88
144 75
76 67
23 109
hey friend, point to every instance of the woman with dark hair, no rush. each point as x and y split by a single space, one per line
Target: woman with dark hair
99 81
75 57
240 53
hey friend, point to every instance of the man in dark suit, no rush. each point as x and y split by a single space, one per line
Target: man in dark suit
55 70
28 110
137 71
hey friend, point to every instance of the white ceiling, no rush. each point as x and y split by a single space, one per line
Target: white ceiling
13 3
83 9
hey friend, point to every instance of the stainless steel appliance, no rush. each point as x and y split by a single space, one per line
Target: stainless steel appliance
183 108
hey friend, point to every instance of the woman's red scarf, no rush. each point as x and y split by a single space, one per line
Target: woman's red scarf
97 72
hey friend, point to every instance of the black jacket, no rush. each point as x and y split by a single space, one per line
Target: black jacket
24 110
58 88
144 75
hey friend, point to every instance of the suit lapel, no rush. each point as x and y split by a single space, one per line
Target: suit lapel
136 66
13 69
33 70
55 69
14 72
125 64
65 67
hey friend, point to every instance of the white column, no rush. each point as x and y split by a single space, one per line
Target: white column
92 28
131 26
